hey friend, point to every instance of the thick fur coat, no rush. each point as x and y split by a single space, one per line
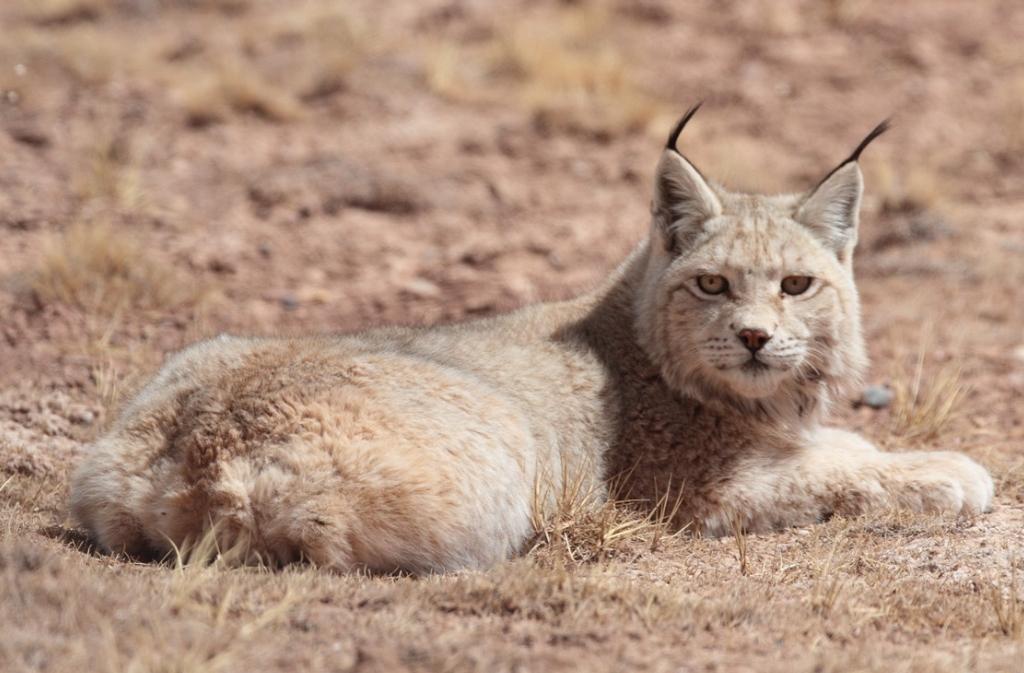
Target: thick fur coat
701 370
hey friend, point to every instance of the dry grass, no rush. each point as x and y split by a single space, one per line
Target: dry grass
106 271
829 583
923 408
576 523
212 95
65 12
223 79
328 37
102 263
1007 607
118 368
228 79
196 621
898 188
563 598
563 67
739 534
82 52
844 591
105 177
108 382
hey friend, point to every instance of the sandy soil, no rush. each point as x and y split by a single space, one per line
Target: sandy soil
171 169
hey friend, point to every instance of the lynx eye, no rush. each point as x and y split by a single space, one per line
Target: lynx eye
795 285
712 284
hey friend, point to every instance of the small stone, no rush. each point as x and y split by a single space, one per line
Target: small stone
220 265
422 288
29 135
81 415
877 397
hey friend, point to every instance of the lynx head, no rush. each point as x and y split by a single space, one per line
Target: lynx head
750 299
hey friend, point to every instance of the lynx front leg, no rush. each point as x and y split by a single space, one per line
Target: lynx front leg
839 472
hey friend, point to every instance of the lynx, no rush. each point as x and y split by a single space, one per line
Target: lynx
701 370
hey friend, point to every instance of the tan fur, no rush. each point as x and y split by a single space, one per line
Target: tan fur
420 449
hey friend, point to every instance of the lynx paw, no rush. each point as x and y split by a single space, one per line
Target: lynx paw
945 482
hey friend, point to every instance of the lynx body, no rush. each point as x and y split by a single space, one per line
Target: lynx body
701 369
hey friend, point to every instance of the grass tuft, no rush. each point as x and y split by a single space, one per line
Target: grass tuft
578 523
905 189
1007 606
923 408
563 69
828 585
740 536
106 271
66 12
107 176
211 96
218 548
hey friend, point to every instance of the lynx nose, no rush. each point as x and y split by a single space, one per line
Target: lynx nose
753 339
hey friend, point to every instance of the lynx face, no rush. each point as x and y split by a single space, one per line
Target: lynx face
757 302
752 297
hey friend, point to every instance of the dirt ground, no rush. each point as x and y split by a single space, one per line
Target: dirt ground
172 169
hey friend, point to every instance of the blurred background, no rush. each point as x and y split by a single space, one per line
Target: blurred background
171 169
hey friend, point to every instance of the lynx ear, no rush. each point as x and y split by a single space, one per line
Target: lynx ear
832 209
683 200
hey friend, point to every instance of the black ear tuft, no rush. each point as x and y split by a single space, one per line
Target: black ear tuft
875 132
680 125
855 156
